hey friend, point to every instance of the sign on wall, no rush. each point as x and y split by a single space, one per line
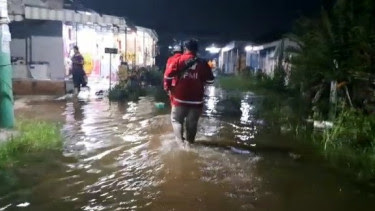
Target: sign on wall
111 50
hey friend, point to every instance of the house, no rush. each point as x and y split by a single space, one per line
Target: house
265 57
238 56
232 58
45 31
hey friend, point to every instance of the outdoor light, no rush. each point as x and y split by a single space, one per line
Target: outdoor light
258 48
213 49
249 48
225 49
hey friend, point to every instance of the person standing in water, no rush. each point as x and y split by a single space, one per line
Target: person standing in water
191 75
79 75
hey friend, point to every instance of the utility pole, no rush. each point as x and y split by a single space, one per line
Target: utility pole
6 88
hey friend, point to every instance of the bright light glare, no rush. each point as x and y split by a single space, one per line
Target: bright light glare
213 49
253 48
249 48
225 49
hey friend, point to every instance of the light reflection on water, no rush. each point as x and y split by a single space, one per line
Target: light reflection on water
121 157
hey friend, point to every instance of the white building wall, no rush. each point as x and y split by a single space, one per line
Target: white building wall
50 50
18 48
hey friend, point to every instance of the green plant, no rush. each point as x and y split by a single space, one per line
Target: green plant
351 128
338 46
34 136
129 92
350 143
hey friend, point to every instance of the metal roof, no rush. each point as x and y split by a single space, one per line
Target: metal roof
81 17
37 13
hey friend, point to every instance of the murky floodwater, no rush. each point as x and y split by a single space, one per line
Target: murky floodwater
124 157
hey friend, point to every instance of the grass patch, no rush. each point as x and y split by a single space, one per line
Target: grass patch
35 136
350 144
256 83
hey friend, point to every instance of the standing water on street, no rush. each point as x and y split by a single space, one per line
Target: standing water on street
124 156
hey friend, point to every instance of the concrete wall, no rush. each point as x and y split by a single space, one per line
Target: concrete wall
32 87
51 50
18 48
39 41
42 49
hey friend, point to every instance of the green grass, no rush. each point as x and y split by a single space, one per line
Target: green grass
254 83
350 144
34 136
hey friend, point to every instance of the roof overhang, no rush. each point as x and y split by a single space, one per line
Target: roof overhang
80 17
65 15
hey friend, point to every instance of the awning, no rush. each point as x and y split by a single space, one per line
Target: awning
65 15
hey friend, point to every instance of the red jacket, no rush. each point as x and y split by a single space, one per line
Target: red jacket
189 89
170 82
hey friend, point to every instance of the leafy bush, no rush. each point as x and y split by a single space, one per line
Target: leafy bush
122 93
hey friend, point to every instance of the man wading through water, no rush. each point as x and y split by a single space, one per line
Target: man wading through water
189 74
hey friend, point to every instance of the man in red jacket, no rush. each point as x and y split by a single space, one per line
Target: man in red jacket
191 74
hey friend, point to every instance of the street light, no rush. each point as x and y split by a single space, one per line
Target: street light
213 49
249 48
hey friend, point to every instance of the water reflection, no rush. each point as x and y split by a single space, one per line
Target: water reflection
247 109
212 100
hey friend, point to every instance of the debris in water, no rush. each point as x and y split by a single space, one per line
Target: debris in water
65 97
160 105
5 207
295 156
26 204
239 151
323 124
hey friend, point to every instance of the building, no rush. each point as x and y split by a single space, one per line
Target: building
266 57
240 56
232 58
45 31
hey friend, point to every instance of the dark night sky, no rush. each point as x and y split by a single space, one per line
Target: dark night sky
211 19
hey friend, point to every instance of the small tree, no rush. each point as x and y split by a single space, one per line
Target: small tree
334 48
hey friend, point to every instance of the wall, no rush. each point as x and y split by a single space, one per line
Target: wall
18 48
51 50
29 28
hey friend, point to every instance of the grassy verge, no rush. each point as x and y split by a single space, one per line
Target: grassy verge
34 136
255 83
349 145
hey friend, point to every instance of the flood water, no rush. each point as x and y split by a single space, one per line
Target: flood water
123 156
